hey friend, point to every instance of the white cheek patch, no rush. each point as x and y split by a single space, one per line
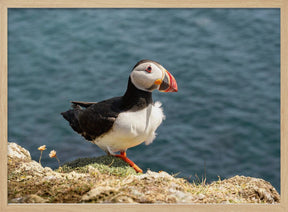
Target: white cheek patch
146 81
140 80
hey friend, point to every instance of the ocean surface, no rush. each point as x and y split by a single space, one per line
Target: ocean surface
224 120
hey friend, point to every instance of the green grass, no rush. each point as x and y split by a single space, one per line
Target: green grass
105 165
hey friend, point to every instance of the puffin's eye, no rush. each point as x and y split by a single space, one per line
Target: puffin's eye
148 69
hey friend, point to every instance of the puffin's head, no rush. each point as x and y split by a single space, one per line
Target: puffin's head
149 75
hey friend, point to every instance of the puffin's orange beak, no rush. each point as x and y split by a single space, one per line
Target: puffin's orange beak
168 83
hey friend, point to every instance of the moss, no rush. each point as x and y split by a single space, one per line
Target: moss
108 160
104 164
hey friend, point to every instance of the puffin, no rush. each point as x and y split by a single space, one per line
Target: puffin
119 123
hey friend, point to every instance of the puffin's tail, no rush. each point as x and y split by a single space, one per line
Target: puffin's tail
72 117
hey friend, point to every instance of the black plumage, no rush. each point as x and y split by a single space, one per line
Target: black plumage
92 120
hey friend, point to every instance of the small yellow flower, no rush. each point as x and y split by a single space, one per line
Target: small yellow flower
52 154
42 148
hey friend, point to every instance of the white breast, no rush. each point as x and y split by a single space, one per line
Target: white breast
132 128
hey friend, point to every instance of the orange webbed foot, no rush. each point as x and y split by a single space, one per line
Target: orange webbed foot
130 162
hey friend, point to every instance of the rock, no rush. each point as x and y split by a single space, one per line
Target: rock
31 166
100 194
254 188
17 152
108 180
155 175
28 199
180 196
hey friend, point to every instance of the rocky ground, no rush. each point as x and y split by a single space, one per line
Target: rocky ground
109 180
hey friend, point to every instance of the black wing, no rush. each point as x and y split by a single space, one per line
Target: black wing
83 104
97 119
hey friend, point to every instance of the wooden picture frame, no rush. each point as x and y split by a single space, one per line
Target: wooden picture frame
6 4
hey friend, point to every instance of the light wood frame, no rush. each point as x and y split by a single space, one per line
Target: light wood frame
6 4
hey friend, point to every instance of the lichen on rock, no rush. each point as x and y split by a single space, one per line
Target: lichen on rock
108 179
16 151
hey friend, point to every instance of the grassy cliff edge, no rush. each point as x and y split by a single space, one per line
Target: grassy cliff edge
109 180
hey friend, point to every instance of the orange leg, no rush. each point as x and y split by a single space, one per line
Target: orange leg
130 162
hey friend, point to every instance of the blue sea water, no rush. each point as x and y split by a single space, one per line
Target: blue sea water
224 120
